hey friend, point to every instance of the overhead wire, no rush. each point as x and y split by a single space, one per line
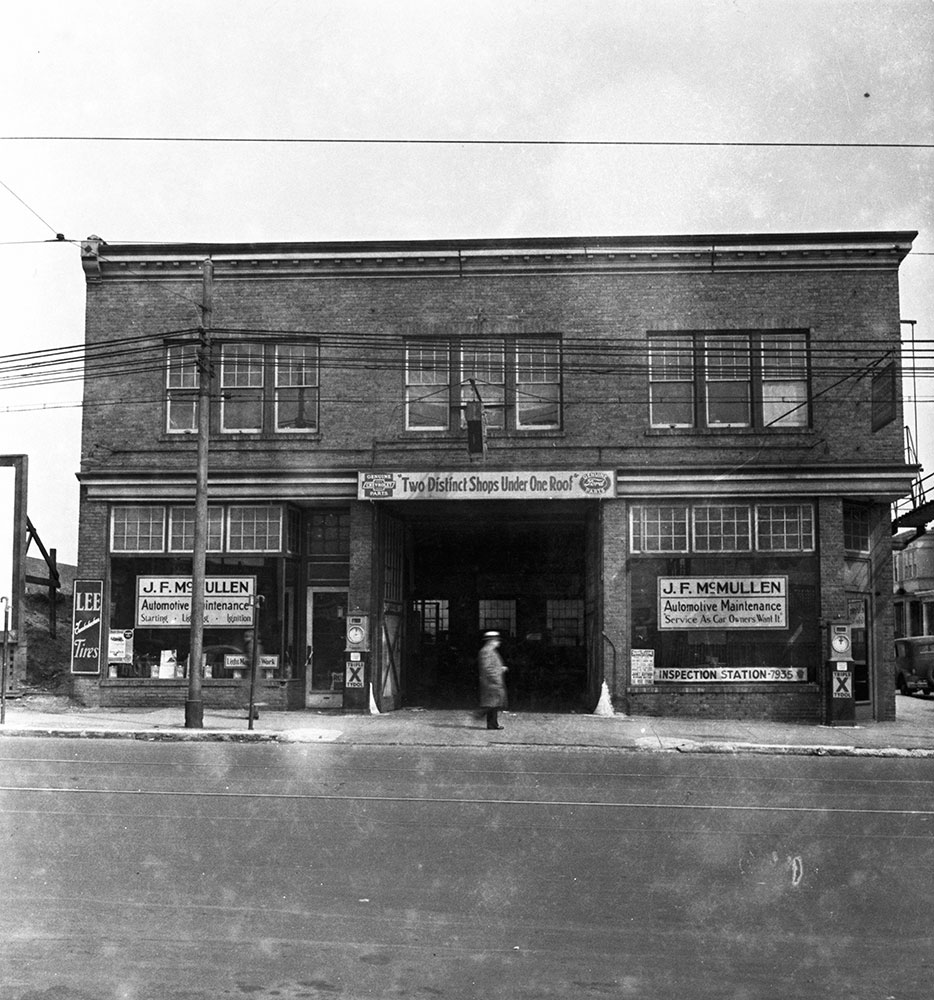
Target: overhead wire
462 141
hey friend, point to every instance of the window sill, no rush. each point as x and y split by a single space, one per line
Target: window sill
449 437
801 433
242 437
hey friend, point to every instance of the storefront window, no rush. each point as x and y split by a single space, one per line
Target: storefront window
161 651
737 619
700 615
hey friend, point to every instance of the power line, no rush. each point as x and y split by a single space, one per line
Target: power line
58 235
373 141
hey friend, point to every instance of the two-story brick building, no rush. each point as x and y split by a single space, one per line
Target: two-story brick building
689 449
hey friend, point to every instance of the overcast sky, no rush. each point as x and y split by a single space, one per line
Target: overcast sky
792 71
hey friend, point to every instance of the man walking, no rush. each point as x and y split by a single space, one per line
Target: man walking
492 685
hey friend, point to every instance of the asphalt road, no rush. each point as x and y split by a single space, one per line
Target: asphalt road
138 870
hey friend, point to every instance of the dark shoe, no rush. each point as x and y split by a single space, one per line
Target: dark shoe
496 727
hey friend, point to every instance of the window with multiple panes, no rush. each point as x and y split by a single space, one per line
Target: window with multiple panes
254 529
328 532
517 379
722 528
565 621
728 380
136 528
182 529
434 619
497 616
856 527
262 387
296 392
713 528
242 378
659 528
181 388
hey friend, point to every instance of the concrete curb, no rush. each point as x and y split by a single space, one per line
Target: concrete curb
643 745
179 736
806 750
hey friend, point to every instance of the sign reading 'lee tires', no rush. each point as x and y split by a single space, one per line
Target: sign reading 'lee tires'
87 632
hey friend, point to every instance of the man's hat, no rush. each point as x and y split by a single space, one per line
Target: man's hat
491 635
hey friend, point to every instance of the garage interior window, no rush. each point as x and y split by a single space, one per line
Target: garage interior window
498 616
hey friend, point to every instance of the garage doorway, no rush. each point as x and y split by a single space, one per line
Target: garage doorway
523 573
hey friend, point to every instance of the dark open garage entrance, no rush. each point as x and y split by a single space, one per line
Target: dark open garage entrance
519 568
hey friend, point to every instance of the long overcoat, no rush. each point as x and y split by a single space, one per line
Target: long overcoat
492 685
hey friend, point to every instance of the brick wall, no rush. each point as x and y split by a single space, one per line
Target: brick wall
775 702
839 307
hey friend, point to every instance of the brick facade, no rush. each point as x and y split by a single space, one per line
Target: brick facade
604 299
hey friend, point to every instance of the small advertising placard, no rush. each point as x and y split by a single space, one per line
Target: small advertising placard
120 646
642 666
87 633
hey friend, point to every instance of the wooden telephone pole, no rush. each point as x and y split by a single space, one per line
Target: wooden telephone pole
194 706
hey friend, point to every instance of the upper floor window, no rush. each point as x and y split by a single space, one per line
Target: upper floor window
263 388
518 381
181 388
728 380
856 527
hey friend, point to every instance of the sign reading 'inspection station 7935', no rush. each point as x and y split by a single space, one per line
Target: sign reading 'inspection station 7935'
165 601
722 602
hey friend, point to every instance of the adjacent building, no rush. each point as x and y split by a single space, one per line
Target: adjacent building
914 584
661 467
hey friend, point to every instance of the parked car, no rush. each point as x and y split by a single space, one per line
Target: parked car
914 664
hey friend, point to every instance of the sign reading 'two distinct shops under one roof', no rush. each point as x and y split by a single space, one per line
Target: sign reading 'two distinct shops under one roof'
486 485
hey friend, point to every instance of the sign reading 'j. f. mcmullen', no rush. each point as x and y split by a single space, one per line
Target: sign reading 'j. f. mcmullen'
486 485
722 602
165 601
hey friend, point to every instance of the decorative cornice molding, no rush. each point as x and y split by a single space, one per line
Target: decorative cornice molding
546 255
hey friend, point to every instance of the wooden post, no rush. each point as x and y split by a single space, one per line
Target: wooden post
194 706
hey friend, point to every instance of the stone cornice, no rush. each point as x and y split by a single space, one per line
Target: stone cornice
458 258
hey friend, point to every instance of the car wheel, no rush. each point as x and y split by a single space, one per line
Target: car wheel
900 686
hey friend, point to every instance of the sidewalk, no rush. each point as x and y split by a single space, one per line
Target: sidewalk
911 735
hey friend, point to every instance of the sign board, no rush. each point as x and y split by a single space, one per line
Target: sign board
693 675
87 631
353 671
581 484
165 601
642 666
239 661
843 684
722 602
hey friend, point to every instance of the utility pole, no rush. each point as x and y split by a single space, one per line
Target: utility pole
194 706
